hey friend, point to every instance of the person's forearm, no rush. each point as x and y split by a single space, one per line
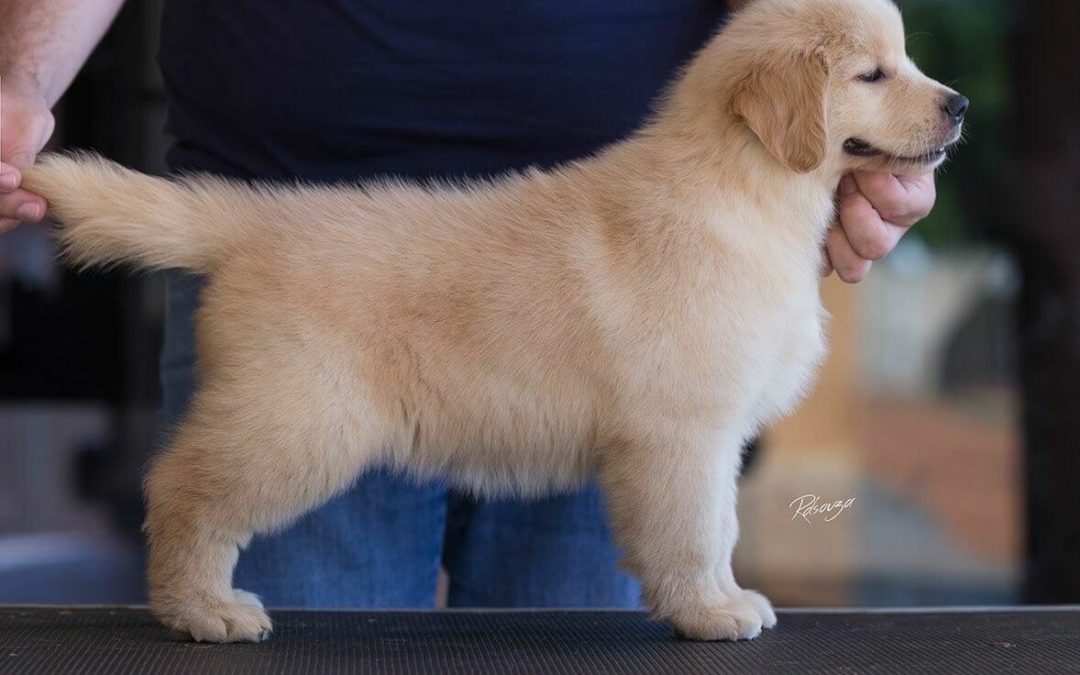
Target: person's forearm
48 41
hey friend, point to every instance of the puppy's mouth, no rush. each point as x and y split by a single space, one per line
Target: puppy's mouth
859 148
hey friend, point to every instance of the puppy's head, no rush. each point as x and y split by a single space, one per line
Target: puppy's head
828 83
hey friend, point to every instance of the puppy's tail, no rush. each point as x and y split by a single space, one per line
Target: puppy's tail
109 214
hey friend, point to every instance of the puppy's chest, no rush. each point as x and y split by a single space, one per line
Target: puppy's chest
790 366
760 319
780 329
770 342
799 346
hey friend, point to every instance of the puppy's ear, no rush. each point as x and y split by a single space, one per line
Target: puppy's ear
784 104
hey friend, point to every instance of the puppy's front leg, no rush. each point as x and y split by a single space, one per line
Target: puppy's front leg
673 510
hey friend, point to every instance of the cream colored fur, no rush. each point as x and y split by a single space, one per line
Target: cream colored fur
638 315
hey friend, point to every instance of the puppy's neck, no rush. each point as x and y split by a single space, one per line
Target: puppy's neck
710 158
713 162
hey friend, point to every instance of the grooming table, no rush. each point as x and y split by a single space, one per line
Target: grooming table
57 640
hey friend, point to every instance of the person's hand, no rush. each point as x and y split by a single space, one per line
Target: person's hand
875 210
25 125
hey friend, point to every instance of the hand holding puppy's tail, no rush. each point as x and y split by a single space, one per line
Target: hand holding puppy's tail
109 214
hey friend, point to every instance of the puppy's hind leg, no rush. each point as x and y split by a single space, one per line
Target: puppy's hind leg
235 469
672 501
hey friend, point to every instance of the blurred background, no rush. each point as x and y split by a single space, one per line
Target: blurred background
945 419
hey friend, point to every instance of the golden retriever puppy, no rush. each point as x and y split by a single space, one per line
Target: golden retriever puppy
637 314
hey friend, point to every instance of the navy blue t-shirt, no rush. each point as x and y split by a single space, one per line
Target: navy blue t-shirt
343 89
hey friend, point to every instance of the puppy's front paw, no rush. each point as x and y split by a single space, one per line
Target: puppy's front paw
241 619
762 605
740 618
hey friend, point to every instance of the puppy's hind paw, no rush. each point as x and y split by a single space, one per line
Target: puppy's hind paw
239 620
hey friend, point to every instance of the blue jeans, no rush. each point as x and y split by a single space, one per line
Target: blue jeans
381 543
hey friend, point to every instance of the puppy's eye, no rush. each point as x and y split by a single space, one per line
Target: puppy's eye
872 76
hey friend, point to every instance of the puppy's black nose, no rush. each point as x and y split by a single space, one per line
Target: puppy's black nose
956 107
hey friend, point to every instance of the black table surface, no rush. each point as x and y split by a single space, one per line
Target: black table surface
127 640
